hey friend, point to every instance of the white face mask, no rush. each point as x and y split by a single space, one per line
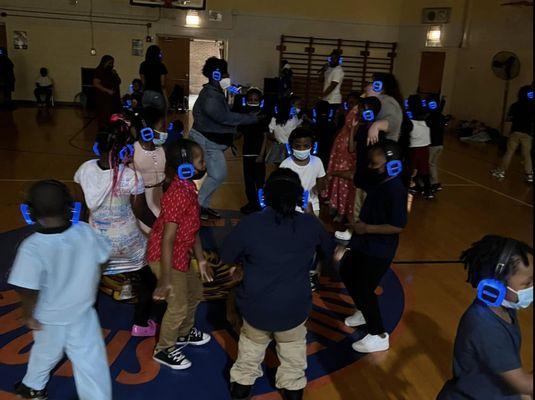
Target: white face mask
161 140
225 83
525 298
301 154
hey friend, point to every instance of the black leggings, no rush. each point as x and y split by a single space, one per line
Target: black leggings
254 175
147 284
361 274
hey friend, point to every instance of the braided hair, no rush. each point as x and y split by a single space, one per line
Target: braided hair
481 259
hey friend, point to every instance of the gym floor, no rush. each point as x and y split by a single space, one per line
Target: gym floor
432 295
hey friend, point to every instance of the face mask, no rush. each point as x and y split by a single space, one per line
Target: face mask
525 298
301 154
198 175
225 83
374 177
161 140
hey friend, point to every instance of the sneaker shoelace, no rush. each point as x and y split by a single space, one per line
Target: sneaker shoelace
195 334
176 355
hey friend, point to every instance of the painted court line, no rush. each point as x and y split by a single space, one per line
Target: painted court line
488 188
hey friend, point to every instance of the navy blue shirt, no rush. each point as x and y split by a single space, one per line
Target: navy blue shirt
385 204
485 347
276 253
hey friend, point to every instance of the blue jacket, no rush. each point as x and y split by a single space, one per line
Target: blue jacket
214 119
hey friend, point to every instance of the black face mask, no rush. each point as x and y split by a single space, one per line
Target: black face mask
374 177
198 175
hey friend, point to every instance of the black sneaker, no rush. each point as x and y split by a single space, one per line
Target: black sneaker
429 195
172 357
25 392
208 213
437 187
195 338
314 281
414 190
292 394
240 392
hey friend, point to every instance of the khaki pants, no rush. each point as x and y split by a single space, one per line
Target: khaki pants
434 155
182 302
519 139
291 349
360 196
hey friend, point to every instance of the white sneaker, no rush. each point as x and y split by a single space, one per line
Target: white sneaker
345 236
355 320
372 343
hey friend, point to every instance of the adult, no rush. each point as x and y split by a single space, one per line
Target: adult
333 74
107 94
285 77
214 128
153 74
385 87
7 78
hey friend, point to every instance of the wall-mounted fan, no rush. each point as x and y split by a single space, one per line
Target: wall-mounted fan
505 66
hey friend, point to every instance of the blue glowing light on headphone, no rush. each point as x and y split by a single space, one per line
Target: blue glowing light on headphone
406 104
234 89
127 104
76 211
368 115
131 88
96 150
126 152
314 151
433 105
303 205
186 170
424 103
170 127
377 86
315 148
346 106
530 95
314 116
244 102
147 134
276 110
491 292
409 114
293 112
216 75
331 115
393 167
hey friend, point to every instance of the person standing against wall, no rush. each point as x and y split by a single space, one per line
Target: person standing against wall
7 79
153 74
107 94
214 128
333 78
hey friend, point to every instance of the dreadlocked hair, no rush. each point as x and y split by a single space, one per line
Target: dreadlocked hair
111 141
481 259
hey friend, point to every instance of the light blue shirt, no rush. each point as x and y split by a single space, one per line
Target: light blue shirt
65 269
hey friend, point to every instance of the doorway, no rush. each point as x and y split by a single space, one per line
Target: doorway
431 72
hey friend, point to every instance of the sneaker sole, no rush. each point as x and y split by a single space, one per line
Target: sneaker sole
175 367
360 350
354 326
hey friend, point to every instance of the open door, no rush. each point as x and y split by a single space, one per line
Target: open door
431 71
176 59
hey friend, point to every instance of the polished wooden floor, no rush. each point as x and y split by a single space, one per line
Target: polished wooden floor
471 205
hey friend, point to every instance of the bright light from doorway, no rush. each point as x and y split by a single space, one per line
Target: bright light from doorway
434 36
193 19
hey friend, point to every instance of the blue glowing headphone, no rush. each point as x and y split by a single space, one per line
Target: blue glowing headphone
216 75
126 152
492 291
304 199
127 105
185 170
424 103
96 150
26 208
394 167
314 150
530 95
368 115
432 105
377 86
340 59
346 106
330 116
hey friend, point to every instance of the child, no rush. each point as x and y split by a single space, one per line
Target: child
115 197
437 123
174 236
364 116
149 158
324 127
341 192
276 246
419 141
43 87
254 168
307 166
486 358
137 94
522 116
175 131
374 243
56 274
281 126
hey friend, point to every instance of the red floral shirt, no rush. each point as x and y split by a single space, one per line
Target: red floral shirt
179 205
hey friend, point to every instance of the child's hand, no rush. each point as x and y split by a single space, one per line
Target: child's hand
33 324
339 253
207 273
162 290
373 135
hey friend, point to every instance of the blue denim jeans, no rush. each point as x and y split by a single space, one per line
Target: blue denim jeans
216 166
